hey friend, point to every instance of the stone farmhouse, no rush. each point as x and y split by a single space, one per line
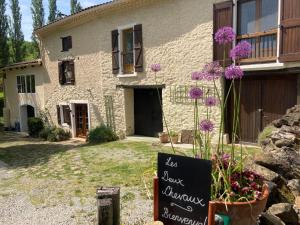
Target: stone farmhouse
95 65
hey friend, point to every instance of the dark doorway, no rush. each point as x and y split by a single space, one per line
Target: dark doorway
264 98
30 111
81 120
147 112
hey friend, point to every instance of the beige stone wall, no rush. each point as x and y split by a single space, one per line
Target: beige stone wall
14 99
177 34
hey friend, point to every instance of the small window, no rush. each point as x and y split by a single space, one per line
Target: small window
66 114
127 56
26 84
66 43
66 72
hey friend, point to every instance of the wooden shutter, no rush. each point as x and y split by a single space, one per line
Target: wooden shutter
72 68
290 31
60 72
115 51
69 42
138 47
58 114
223 16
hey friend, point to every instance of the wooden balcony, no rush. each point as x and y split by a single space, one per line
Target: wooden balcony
264 46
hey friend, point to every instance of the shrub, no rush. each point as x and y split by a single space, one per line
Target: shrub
35 126
54 134
265 133
102 134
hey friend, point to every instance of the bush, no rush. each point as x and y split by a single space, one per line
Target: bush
35 126
54 134
265 133
102 134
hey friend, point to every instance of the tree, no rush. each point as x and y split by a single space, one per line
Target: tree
15 32
75 6
37 11
4 51
52 11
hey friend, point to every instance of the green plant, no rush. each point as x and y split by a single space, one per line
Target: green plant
54 134
102 134
265 133
173 133
35 126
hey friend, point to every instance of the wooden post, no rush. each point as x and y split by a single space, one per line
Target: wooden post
114 194
155 198
105 212
211 213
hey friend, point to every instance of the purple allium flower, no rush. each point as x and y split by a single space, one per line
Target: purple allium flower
212 71
241 50
155 67
206 126
197 75
210 101
233 72
196 93
225 35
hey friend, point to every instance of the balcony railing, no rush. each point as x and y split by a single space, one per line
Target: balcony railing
264 46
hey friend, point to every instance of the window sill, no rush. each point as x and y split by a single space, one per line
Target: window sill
127 75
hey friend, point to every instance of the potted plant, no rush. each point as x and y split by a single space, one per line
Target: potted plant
236 191
163 137
174 137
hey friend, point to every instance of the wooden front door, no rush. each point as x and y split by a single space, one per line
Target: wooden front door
263 100
81 120
147 112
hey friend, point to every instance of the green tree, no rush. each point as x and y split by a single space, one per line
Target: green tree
75 6
37 10
52 11
15 32
4 51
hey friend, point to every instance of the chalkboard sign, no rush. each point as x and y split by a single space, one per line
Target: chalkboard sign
184 189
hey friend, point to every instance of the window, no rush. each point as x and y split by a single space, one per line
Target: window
26 84
66 43
127 50
257 16
127 57
66 114
66 72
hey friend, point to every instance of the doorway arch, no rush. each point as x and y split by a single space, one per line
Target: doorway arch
26 111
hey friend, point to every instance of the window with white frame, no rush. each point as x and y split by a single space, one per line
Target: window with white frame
26 84
64 114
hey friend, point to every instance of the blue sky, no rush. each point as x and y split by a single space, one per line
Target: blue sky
62 5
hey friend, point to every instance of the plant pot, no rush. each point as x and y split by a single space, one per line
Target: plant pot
163 138
174 139
242 213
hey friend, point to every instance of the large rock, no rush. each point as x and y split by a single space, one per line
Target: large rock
269 219
285 212
294 186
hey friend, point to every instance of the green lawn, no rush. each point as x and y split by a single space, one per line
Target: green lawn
52 173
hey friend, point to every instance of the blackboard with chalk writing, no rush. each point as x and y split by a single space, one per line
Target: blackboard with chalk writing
184 189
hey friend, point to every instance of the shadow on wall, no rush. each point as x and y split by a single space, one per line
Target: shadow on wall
97 114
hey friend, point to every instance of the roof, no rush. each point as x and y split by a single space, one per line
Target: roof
21 65
83 13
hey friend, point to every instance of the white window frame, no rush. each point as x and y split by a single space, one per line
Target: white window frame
61 111
120 40
25 77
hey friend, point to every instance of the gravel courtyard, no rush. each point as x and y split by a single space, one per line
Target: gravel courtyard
55 183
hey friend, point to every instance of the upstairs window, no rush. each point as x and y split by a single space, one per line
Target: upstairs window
26 84
257 16
127 50
66 43
66 72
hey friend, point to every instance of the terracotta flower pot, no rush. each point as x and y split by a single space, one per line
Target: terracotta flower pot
174 139
242 213
163 138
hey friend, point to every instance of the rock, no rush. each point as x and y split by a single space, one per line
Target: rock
269 219
285 212
284 142
294 186
268 174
